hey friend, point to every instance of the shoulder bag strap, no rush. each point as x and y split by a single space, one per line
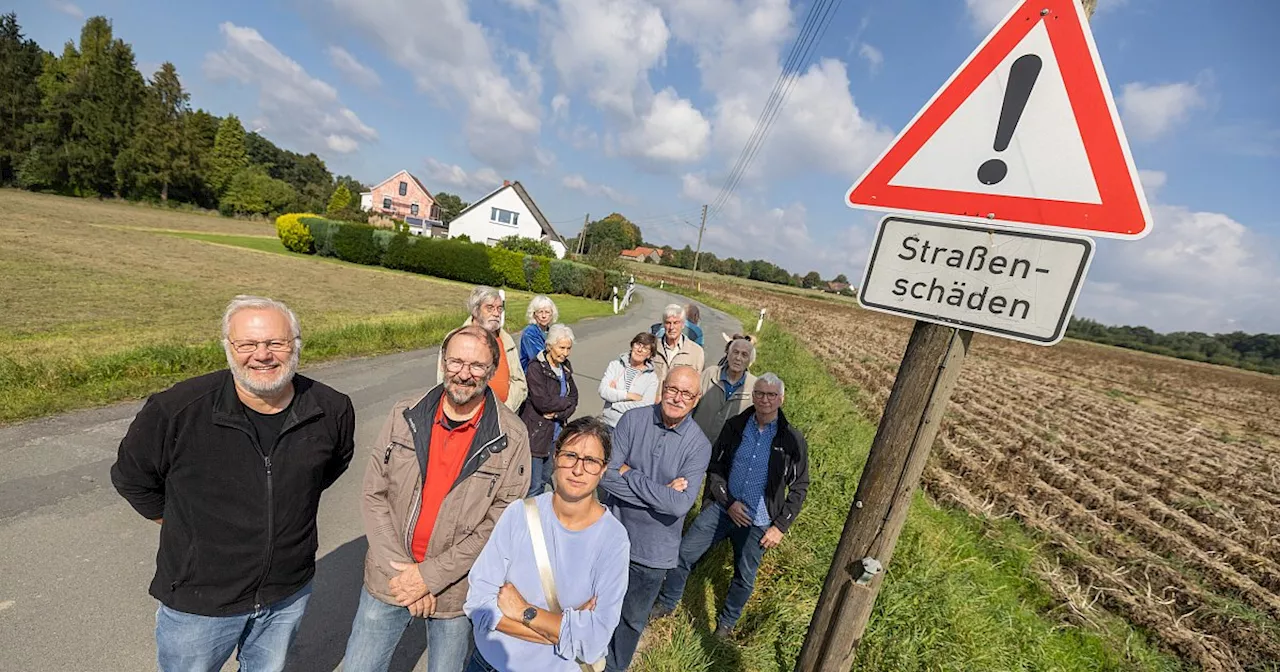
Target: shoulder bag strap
543 560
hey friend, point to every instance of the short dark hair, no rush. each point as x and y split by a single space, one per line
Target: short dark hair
587 426
648 339
692 314
478 332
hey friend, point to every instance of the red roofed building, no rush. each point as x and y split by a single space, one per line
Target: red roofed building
641 255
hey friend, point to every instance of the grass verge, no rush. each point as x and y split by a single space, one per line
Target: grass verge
960 593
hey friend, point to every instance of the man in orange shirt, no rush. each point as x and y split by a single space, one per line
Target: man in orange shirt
444 468
508 382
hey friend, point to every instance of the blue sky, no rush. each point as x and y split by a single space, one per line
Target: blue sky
641 107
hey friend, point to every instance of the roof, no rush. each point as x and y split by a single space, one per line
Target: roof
634 253
413 177
528 202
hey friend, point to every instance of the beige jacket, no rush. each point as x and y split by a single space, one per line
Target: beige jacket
519 388
714 409
689 354
494 474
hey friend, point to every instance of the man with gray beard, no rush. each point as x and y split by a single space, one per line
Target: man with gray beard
231 465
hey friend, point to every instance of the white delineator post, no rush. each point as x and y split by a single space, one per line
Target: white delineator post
502 294
760 322
615 299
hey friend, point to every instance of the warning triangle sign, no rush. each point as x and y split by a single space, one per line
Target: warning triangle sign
1025 133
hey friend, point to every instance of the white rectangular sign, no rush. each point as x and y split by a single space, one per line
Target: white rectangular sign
1014 284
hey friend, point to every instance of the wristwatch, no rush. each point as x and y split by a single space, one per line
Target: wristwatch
529 614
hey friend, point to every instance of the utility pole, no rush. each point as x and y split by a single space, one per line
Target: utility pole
928 373
701 228
582 237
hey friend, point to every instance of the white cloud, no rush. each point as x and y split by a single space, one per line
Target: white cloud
739 46
605 48
526 5
1200 271
672 131
1151 110
874 57
68 8
456 177
580 183
295 108
1152 181
456 63
560 107
351 68
985 14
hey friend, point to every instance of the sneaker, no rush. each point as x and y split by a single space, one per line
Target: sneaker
724 632
660 611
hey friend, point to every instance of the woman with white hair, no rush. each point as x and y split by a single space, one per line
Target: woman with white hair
553 398
542 313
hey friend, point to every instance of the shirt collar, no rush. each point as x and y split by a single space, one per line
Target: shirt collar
773 424
471 422
678 429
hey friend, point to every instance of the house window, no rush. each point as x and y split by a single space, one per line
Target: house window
404 188
413 209
503 216
386 202
435 212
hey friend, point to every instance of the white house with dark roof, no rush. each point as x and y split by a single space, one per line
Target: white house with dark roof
506 211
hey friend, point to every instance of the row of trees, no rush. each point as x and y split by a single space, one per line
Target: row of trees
606 237
1258 352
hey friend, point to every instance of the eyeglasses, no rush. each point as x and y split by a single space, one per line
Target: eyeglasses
454 365
491 308
568 460
246 347
673 391
765 395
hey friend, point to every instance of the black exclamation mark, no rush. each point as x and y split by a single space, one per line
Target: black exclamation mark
1022 77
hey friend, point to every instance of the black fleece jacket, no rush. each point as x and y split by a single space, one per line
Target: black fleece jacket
239 526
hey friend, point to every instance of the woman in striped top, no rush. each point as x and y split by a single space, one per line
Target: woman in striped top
630 380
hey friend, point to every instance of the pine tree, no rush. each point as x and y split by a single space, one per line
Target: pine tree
229 156
340 201
21 63
160 154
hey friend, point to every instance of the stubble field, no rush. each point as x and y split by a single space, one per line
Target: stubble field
1153 483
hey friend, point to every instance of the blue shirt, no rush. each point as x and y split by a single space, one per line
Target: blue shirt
586 563
652 512
749 473
731 389
532 341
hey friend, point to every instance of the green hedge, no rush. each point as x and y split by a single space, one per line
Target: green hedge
461 260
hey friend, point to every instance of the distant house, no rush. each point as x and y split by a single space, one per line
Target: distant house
836 287
404 197
642 255
506 211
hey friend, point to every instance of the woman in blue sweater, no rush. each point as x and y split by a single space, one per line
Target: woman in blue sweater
542 313
588 552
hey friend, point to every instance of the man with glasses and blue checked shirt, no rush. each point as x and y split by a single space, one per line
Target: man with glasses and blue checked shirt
756 484
659 459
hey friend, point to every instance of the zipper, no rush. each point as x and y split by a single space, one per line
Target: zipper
271 533
386 459
493 483
412 520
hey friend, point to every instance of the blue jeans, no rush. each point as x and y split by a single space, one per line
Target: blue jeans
711 526
377 630
643 584
540 471
192 643
479 664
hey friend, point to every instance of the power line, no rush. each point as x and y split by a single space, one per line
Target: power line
815 27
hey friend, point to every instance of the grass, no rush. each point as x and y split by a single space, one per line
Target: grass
960 593
105 301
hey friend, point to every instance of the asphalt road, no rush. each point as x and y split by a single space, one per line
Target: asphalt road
76 560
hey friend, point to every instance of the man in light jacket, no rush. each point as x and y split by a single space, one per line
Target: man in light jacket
508 379
442 471
726 388
674 347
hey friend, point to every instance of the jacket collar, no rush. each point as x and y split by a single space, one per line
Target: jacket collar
228 410
545 366
625 359
489 438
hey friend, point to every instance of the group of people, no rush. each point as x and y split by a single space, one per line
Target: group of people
520 537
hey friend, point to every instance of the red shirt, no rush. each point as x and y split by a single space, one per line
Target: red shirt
447 452
500 383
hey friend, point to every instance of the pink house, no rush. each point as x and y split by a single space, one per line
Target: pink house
403 196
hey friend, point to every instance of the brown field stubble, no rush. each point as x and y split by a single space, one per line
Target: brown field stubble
1154 481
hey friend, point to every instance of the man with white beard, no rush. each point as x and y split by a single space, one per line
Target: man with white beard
231 465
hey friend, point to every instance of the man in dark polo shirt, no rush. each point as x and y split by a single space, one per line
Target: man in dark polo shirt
231 465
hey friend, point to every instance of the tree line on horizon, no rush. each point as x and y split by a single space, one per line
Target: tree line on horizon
1255 352
86 123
